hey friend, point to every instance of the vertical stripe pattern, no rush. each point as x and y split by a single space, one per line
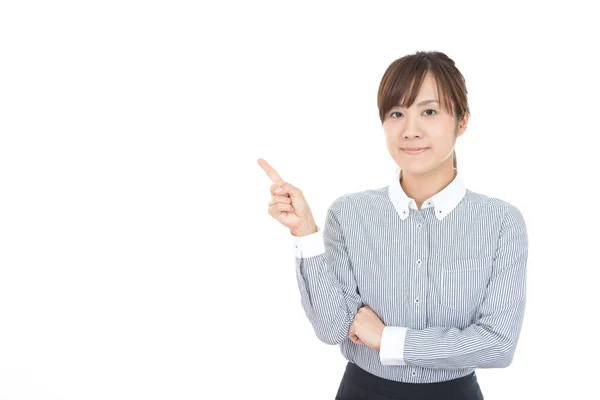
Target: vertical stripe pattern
457 283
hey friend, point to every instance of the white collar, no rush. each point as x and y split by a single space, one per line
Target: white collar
444 201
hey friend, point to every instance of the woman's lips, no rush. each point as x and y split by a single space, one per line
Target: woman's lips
415 151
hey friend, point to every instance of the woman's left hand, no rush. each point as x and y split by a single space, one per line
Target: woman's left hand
366 328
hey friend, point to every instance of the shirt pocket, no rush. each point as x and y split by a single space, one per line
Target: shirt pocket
464 282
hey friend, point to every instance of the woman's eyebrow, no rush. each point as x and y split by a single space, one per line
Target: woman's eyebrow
420 104
427 102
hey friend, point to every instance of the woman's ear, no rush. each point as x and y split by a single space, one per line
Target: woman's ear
462 124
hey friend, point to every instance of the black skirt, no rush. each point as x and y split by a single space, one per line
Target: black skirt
358 384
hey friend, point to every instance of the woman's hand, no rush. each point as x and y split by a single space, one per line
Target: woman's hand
289 206
366 328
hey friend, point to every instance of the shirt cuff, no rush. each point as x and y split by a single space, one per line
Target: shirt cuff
391 351
309 245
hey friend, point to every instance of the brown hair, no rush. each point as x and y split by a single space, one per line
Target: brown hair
402 80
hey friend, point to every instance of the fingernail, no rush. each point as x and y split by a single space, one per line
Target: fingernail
278 190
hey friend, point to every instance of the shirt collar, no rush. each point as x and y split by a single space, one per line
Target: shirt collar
444 201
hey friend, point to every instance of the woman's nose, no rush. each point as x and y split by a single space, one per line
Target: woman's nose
412 129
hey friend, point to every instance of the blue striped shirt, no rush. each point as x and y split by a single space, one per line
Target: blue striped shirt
448 280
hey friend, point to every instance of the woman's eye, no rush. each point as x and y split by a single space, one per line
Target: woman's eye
397 114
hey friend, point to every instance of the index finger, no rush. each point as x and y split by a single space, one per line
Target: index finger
270 171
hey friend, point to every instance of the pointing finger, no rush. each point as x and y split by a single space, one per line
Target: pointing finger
270 171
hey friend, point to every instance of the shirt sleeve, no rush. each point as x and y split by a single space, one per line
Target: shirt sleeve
328 289
492 340
391 349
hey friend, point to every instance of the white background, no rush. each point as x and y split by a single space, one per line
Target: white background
137 257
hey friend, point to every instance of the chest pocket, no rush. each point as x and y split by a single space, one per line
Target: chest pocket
463 283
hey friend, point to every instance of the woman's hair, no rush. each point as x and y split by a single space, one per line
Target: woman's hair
402 80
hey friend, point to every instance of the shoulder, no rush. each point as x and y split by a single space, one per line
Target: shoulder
361 199
509 213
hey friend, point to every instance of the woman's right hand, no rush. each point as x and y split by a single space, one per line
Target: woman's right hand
288 206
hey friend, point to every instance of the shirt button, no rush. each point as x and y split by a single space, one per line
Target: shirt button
417 301
418 262
414 373
419 226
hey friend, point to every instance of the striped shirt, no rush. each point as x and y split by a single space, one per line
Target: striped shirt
448 280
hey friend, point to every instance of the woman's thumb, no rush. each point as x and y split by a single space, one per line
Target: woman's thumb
290 189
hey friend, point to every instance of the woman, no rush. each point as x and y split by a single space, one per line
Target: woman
422 281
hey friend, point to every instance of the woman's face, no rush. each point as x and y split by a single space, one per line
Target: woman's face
423 125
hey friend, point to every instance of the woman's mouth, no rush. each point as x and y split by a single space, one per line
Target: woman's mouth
414 150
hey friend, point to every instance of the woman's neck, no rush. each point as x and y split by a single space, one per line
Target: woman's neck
421 187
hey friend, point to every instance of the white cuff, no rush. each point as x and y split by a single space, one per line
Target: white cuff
391 351
309 245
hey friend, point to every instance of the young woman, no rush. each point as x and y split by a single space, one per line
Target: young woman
422 281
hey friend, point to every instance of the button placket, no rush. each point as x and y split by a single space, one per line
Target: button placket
421 253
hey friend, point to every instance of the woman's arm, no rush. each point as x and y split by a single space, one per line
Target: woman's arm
328 290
